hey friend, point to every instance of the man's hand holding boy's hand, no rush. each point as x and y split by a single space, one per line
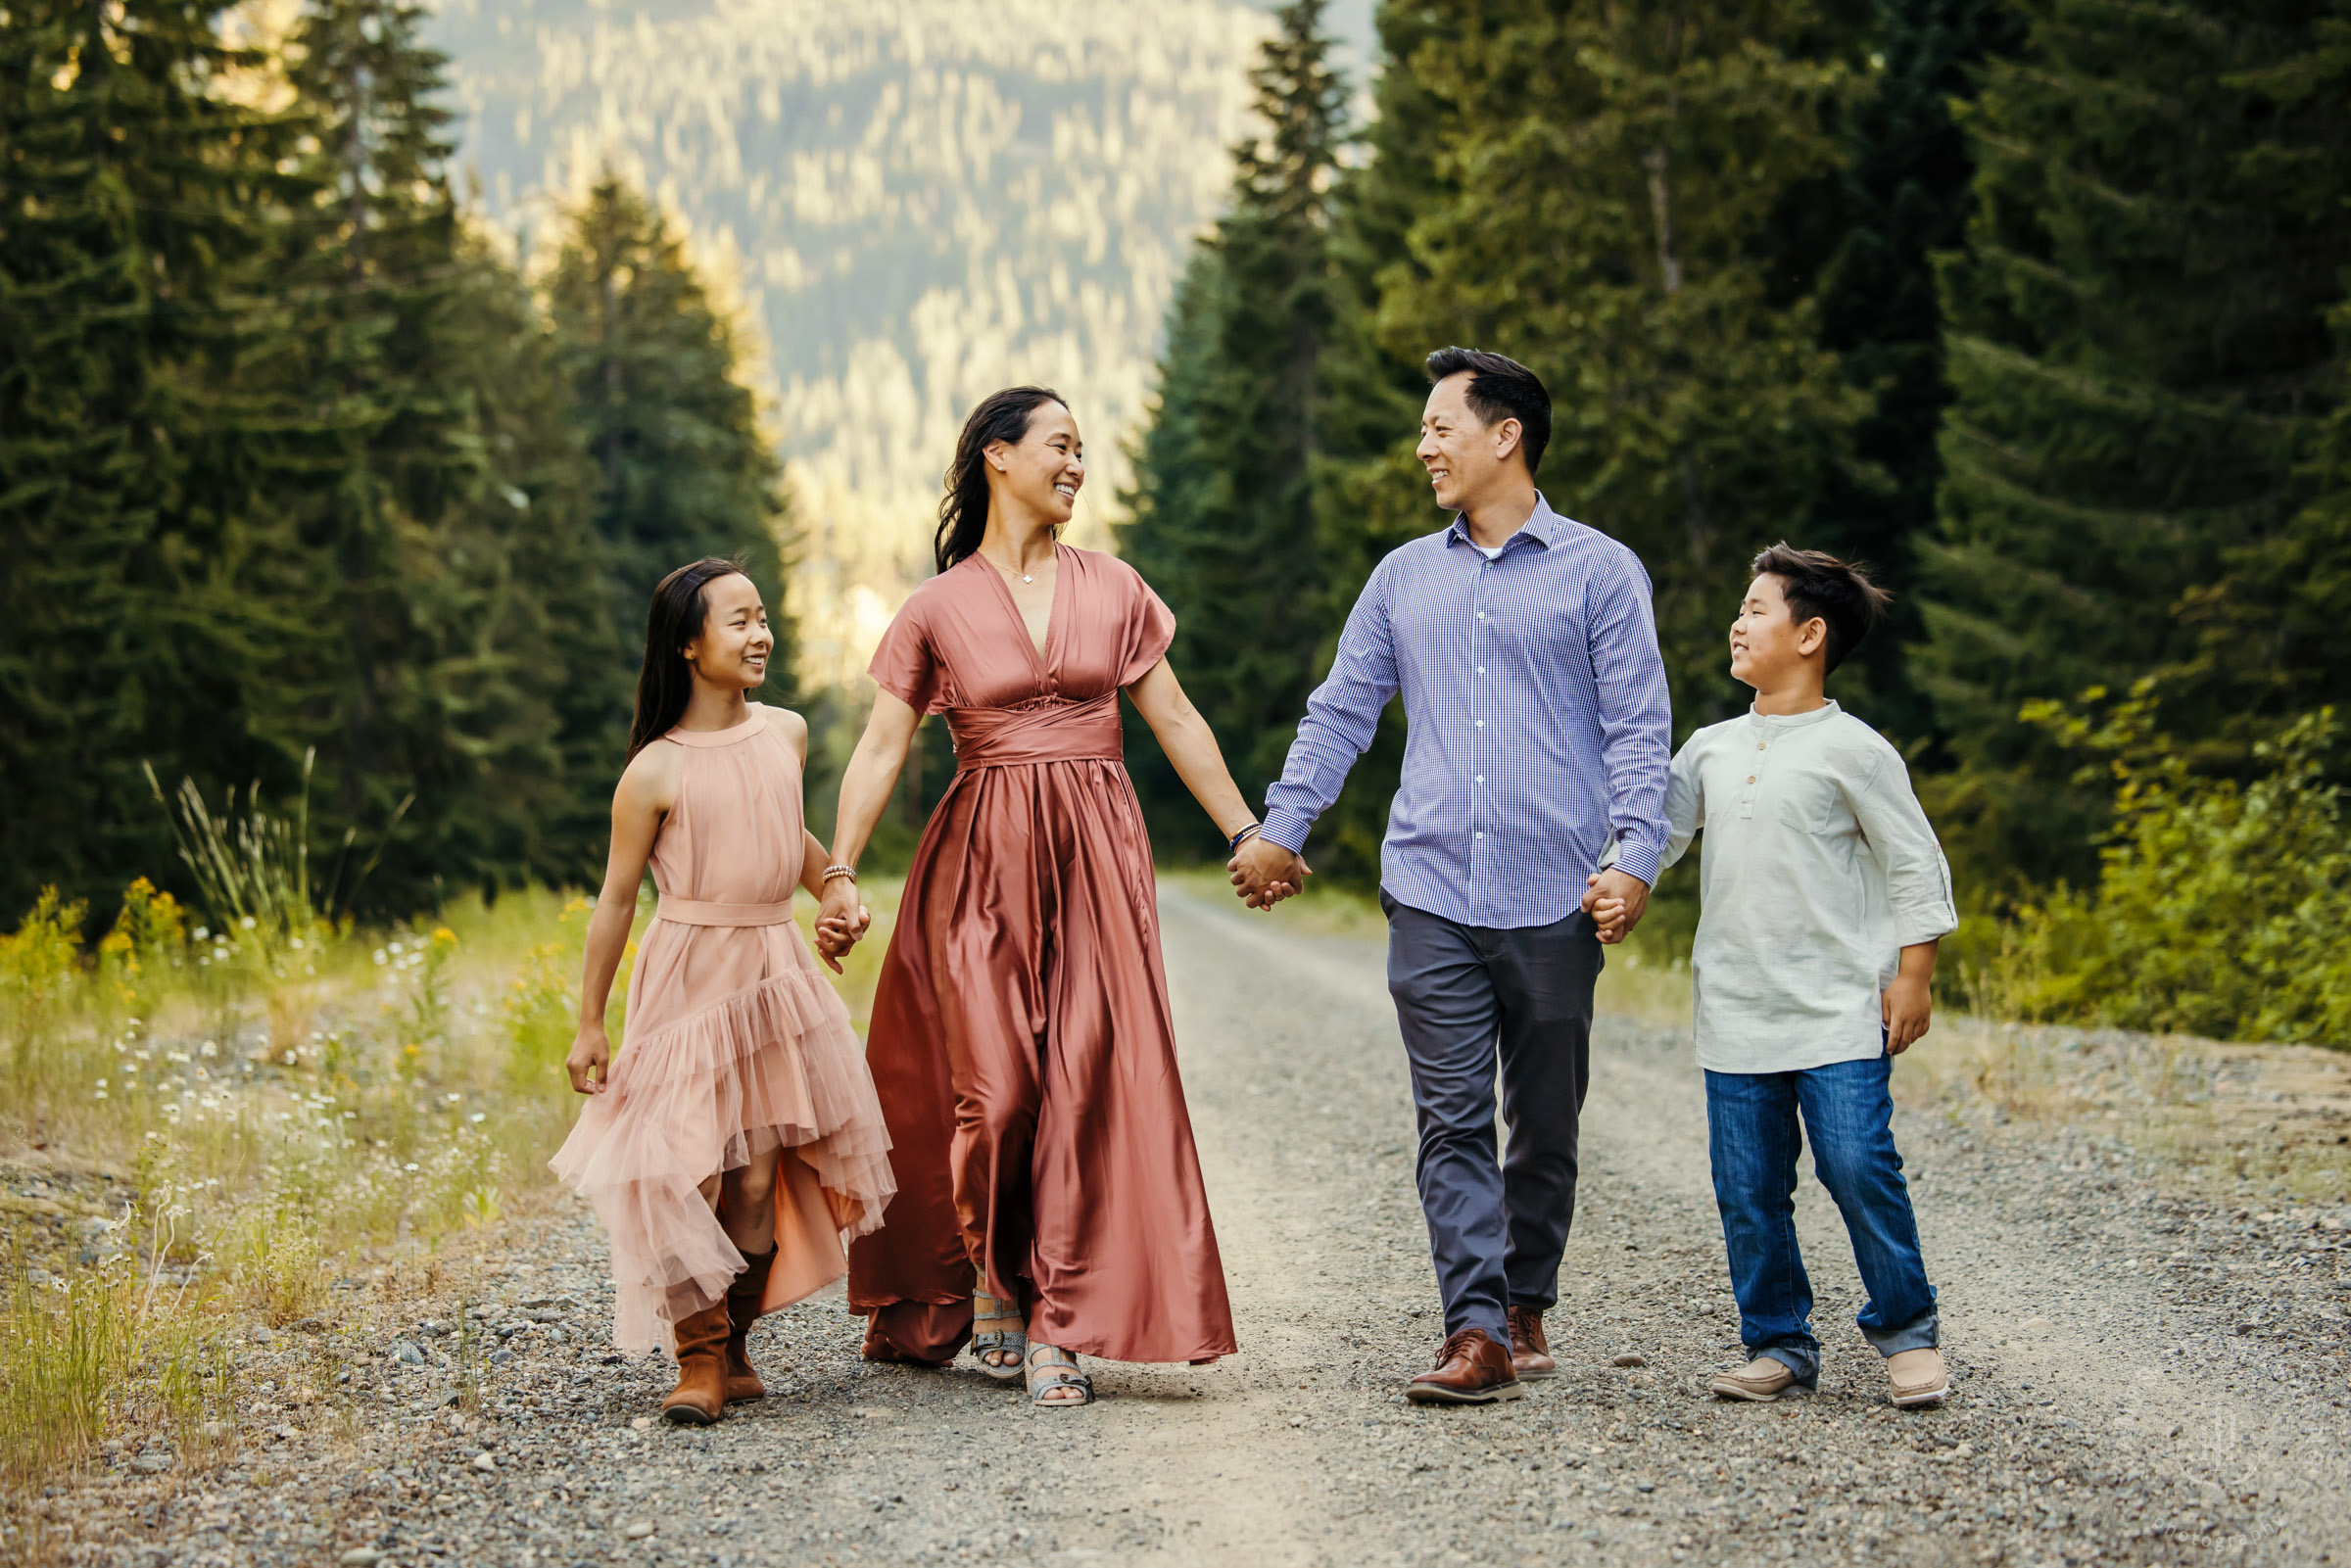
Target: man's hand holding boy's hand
1616 900
1908 1002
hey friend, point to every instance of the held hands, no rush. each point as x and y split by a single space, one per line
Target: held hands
1264 874
840 922
1616 900
590 1061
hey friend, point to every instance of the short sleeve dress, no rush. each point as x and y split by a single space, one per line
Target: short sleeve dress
1021 1041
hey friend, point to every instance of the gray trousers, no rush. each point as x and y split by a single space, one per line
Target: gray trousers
1468 998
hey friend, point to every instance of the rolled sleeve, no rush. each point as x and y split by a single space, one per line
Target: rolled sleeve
1918 878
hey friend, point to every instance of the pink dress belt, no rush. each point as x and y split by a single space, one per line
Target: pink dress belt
1054 731
695 911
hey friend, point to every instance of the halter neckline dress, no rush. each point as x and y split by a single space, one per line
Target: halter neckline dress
736 1044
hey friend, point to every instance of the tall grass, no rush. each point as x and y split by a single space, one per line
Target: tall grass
209 1115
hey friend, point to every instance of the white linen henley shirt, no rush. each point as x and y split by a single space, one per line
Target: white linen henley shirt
1818 867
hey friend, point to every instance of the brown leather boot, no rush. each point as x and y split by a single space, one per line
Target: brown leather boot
701 1396
1472 1368
743 1310
1530 1351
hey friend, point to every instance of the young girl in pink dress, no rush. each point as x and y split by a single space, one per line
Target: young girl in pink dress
736 1143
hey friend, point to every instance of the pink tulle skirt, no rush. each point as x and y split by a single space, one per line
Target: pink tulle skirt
735 1046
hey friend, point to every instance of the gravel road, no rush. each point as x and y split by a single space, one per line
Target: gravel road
2141 1379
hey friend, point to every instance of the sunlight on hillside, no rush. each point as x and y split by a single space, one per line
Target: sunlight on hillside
919 201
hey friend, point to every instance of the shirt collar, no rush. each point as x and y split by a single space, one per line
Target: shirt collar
1541 527
1794 721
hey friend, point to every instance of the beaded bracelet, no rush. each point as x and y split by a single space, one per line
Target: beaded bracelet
830 872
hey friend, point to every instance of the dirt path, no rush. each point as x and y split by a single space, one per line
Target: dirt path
2140 1381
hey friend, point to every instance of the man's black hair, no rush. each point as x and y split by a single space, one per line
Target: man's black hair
1499 389
1818 584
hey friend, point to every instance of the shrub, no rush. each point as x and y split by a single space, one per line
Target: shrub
2220 905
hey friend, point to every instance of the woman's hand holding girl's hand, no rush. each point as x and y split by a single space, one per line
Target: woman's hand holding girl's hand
840 920
591 1060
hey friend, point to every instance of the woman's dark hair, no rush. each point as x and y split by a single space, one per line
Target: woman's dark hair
1501 388
963 510
664 684
1818 584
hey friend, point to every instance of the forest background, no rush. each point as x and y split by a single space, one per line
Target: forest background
2037 308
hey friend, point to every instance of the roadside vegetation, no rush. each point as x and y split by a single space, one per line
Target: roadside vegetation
243 1116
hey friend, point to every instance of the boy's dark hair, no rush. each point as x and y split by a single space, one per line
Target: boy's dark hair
1818 584
1499 389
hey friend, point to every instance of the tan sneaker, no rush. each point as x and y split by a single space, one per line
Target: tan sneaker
1917 1377
1761 1379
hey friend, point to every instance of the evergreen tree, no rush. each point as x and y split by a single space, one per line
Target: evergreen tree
460 615
1222 507
1631 215
142 589
684 470
2269 637
2138 356
1906 194
1369 489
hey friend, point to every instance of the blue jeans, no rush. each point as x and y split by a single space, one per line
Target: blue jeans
1753 1138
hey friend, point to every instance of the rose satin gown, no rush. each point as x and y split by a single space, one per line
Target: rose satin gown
1021 1040
735 1045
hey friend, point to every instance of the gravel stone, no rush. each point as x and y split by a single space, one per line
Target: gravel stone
2105 1406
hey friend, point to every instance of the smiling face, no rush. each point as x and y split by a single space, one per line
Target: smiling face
1045 468
735 643
1768 644
1463 454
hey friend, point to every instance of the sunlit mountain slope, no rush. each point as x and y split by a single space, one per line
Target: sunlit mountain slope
917 199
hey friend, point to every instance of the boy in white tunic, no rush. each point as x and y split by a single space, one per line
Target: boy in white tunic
1824 893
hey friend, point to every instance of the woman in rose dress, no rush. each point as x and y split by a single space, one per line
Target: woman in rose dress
1049 1200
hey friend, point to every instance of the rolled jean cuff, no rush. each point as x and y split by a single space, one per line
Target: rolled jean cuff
1805 1364
1922 1333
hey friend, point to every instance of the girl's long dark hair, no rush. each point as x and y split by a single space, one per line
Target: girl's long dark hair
963 510
664 684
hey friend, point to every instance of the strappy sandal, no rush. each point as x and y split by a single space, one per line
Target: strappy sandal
1011 1344
1052 1370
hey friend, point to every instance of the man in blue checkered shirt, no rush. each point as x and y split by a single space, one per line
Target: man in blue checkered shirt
1538 745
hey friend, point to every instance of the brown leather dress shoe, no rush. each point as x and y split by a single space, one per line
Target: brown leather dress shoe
743 1298
1530 1351
701 1396
1472 1368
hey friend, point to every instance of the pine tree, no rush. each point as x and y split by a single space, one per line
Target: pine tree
2138 355
140 593
1906 194
1631 216
1370 491
684 470
1222 506
455 558
2268 633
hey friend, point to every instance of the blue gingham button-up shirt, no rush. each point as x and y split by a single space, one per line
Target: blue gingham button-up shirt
1537 723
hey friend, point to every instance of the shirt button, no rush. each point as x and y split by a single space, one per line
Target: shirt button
1481 669
1759 745
1481 615
1750 778
1481 724
1481 778
1481 835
